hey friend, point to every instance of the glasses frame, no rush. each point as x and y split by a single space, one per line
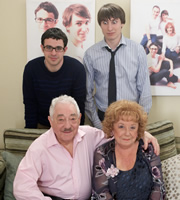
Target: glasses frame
46 20
53 48
154 49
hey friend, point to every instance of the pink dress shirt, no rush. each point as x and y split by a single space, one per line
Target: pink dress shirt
48 167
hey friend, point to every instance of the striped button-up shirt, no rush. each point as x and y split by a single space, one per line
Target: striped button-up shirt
132 77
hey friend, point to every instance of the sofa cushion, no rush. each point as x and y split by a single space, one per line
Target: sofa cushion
12 161
164 132
171 176
18 140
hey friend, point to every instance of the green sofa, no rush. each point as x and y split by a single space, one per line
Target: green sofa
17 141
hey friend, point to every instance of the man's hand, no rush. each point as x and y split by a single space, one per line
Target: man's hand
148 138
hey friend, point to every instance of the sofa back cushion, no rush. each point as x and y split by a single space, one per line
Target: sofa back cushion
18 140
164 132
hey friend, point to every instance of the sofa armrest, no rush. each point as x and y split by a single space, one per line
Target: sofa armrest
16 143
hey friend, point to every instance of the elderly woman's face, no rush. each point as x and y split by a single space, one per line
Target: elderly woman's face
125 132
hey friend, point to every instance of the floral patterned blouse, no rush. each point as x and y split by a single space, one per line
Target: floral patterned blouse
143 182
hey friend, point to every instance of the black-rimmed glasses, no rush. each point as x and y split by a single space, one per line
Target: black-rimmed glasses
46 20
49 48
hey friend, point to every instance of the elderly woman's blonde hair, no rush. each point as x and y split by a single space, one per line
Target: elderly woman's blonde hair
126 111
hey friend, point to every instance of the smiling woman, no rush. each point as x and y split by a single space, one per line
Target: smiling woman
122 168
171 43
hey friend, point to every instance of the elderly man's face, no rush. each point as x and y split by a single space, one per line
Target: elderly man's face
65 122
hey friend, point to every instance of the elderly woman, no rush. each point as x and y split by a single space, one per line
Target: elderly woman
122 168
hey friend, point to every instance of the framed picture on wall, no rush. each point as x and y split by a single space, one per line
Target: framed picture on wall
155 25
75 18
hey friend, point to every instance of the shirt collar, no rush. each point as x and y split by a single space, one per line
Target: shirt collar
122 41
51 138
79 136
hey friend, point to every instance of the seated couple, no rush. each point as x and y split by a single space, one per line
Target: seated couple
59 163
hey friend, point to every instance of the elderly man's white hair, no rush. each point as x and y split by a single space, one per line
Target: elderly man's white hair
63 99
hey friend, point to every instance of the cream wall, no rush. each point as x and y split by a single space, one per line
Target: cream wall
13 59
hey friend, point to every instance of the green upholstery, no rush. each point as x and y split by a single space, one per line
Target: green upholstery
164 132
18 140
12 163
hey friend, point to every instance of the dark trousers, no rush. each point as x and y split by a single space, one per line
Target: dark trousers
144 41
164 72
101 115
173 55
57 198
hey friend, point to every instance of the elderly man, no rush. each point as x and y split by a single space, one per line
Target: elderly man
58 165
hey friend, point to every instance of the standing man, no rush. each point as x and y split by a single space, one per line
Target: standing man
131 71
46 15
49 76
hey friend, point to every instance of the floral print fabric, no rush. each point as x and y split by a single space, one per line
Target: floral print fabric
144 181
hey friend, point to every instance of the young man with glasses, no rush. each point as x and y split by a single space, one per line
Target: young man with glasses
50 76
46 15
